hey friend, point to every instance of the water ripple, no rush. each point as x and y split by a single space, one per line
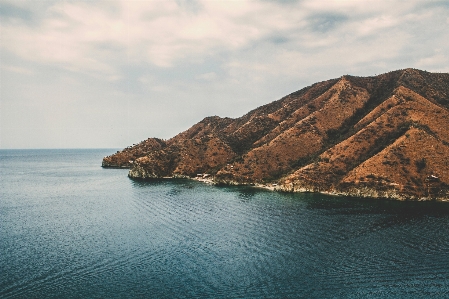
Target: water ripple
94 233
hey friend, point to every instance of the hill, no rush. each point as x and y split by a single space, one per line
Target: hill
381 136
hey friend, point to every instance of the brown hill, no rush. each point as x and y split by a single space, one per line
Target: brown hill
382 136
125 158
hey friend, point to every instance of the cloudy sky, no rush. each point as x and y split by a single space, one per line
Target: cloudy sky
89 74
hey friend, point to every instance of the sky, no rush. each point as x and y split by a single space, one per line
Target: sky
108 74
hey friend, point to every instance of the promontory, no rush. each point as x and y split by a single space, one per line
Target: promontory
383 136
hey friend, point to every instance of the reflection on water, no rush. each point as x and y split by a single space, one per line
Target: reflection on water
82 231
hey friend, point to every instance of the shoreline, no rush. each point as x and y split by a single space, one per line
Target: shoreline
358 193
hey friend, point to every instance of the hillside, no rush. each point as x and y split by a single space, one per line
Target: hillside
383 136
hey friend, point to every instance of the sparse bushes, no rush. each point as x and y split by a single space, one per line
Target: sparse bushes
303 161
420 164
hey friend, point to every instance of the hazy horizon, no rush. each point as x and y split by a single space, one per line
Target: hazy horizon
109 74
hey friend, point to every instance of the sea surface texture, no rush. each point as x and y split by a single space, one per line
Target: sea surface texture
71 229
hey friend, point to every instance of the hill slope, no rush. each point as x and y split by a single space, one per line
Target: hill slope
382 136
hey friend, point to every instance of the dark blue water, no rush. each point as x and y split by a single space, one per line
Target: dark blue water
70 229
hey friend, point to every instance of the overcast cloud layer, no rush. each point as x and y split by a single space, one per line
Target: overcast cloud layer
113 73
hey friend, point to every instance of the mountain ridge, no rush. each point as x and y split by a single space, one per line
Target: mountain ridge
379 136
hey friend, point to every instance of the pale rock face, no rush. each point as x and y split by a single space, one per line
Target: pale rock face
137 171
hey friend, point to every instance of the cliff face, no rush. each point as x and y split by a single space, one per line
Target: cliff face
383 136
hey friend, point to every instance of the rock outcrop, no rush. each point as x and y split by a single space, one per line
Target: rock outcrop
383 136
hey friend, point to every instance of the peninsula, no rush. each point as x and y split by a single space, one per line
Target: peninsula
383 136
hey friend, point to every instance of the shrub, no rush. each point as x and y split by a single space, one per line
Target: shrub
420 164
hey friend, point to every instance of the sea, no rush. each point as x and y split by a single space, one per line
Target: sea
72 229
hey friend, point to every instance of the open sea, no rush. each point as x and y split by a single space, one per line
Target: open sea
71 229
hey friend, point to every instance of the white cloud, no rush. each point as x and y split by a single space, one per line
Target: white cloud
164 33
207 76
437 62
374 25
170 56
17 69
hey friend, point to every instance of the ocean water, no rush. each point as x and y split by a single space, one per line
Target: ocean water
71 229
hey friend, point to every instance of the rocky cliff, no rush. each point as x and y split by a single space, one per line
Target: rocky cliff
383 136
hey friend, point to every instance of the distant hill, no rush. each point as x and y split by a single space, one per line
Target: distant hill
382 136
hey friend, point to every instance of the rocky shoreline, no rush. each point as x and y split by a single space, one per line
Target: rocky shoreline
275 187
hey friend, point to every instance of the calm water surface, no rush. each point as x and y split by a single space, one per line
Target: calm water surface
70 229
